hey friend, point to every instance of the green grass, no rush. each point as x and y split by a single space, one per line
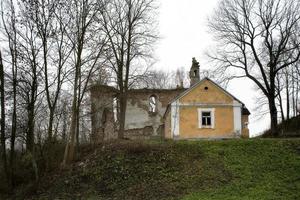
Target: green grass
187 170
262 169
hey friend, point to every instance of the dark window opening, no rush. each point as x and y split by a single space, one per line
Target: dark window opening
206 88
195 72
206 118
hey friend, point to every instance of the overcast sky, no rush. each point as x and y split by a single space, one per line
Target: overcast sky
184 34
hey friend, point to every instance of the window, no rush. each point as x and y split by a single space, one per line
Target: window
206 117
152 104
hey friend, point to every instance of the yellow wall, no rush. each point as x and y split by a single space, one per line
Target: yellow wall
212 95
189 127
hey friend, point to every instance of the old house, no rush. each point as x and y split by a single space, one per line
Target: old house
204 110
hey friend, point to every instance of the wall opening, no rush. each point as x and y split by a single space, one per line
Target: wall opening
116 108
152 104
195 73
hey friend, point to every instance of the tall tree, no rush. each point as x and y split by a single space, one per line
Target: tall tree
2 104
29 72
130 28
51 32
9 21
87 52
258 39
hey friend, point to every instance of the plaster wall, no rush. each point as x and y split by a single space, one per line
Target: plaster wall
138 115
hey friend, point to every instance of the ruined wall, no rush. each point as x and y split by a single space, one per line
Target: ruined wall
103 126
140 122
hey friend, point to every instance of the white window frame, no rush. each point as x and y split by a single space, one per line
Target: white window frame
212 114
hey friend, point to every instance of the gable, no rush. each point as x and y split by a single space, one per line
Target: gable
206 92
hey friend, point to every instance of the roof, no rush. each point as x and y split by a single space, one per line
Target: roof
245 111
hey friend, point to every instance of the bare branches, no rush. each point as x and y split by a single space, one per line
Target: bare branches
258 39
130 29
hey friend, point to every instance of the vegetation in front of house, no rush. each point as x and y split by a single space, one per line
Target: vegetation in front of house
189 170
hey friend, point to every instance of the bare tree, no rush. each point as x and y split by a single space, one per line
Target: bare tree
9 21
130 28
30 72
50 26
156 79
3 134
258 39
87 53
160 79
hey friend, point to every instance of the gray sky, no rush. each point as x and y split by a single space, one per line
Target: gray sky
184 34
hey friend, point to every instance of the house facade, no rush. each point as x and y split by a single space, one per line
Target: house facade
206 111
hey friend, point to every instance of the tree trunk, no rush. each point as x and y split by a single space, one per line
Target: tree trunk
30 130
3 140
31 107
297 97
281 106
65 119
50 124
123 105
294 112
13 128
77 129
70 146
273 116
77 110
287 96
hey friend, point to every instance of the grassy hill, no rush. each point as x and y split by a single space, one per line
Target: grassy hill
187 170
